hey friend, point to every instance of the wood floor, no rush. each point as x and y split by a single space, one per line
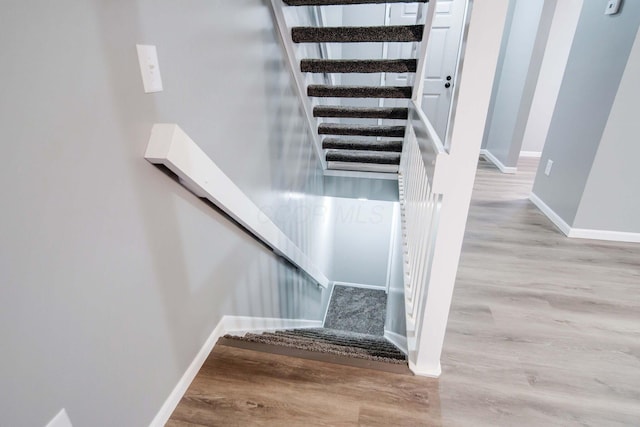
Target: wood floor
544 331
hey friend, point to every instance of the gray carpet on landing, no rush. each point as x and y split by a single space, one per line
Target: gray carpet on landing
357 310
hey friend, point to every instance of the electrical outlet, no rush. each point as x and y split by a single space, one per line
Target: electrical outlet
149 68
547 170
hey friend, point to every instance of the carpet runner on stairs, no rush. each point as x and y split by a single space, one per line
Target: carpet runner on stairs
350 160
359 144
349 344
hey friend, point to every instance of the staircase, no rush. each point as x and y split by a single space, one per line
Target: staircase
352 334
351 146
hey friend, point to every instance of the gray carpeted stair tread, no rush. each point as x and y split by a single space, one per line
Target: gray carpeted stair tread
358 65
325 91
322 340
374 349
359 144
361 112
381 158
396 33
360 130
345 2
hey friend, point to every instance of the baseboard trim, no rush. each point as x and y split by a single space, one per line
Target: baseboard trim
397 340
60 420
583 233
493 159
361 285
614 236
534 154
549 213
241 324
228 324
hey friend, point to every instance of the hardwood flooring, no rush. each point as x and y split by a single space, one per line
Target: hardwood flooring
544 331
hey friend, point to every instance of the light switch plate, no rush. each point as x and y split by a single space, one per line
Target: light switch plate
612 7
547 170
149 68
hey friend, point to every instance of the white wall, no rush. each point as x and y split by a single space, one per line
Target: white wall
556 54
361 237
113 275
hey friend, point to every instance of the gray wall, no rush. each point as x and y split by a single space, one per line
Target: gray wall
112 274
514 87
611 196
361 237
594 69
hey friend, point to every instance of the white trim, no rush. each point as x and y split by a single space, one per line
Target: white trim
60 420
361 285
358 174
363 167
397 340
171 146
181 387
615 236
392 242
242 324
228 324
326 310
554 217
493 159
534 154
431 373
583 233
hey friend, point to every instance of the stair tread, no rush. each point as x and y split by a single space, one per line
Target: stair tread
358 65
385 33
355 156
362 130
361 112
328 91
359 144
345 2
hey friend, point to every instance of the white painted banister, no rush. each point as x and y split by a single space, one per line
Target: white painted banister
170 146
435 189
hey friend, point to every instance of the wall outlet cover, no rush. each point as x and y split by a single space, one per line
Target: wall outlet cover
547 169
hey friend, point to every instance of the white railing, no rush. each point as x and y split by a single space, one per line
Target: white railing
171 147
421 184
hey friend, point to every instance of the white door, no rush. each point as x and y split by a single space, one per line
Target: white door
442 57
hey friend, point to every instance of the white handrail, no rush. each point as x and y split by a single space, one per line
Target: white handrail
171 146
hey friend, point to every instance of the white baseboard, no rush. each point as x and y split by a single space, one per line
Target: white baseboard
493 159
554 217
228 324
361 285
398 340
60 420
614 236
241 325
583 233
535 154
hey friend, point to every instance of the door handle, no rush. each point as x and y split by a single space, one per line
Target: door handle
448 84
